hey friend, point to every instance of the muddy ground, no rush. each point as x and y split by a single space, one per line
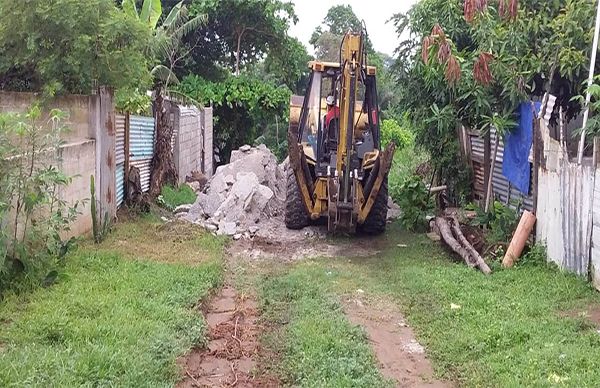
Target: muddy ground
232 353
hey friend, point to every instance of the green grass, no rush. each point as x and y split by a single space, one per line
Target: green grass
173 197
510 329
313 343
110 321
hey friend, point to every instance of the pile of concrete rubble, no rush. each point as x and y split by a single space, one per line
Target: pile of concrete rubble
243 196
249 189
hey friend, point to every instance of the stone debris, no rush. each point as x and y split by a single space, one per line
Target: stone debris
241 195
246 197
394 211
182 208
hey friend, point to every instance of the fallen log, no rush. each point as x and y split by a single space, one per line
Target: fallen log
519 239
446 233
476 257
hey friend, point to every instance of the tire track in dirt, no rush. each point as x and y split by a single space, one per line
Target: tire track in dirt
229 358
401 358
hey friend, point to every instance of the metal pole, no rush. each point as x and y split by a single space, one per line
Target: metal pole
588 96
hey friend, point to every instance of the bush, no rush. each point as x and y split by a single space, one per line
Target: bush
392 131
501 221
32 214
415 202
171 197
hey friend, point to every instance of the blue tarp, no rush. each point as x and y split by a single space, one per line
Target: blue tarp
515 165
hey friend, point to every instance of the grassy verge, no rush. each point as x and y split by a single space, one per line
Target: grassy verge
314 344
173 197
112 321
508 329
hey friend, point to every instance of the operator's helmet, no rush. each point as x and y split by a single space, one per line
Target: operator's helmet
329 100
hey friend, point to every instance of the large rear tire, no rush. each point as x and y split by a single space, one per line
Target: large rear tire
377 218
295 212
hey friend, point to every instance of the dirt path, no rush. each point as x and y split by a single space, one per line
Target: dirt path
233 349
230 356
400 356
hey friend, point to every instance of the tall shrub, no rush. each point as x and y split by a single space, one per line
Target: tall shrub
32 214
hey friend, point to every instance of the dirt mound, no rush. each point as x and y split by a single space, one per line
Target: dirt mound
241 194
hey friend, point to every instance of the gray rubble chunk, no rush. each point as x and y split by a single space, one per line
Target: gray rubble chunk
227 228
182 208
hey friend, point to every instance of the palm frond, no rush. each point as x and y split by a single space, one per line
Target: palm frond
173 15
190 26
164 74
151 12
130 8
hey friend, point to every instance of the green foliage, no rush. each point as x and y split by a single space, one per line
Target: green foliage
33 215
243 105
288 65
316 344
392 131
133 101
167 41
171 197
404 166
413 198
238 33
275 138
521 53
112 319
327 37
65 46
501 221
592 128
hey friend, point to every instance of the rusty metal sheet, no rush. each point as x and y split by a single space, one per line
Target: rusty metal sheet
503 190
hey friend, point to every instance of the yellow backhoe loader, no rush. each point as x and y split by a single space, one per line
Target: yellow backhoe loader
337 168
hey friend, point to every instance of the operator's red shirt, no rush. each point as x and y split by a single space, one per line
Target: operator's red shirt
333 113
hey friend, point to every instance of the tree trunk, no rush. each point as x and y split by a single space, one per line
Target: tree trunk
476 257
237 53
446 232
163 166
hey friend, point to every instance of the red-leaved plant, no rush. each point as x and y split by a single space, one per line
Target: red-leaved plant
481 69
444 54
507 9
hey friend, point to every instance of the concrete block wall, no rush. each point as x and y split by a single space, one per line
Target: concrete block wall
76 107
79 161
188 143
89 148
208 149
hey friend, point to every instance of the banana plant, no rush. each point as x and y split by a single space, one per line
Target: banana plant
150 13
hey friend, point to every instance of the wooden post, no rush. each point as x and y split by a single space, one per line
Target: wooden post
519 239
487 154
596 149
127 152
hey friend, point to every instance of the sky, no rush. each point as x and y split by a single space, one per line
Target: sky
374 12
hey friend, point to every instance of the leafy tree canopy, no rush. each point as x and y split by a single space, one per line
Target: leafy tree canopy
69 46
327 38
242 104
472 62
238 33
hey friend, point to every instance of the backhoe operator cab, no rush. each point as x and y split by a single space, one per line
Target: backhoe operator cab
337 169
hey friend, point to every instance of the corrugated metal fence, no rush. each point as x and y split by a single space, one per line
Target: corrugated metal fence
120 158
141 146
564 207
141 149
502 188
